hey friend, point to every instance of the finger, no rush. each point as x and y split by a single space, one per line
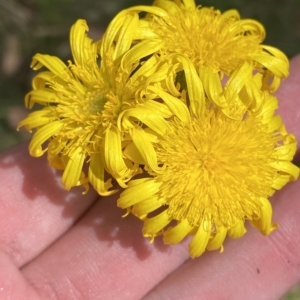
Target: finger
87 267
103 257
12 283
255 266
34 208
289 100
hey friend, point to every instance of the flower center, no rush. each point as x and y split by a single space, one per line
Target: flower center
95 101
85 100
207 37
87 106
223 165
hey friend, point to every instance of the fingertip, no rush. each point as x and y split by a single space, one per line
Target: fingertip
289 99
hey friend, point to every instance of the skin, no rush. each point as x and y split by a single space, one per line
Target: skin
64 245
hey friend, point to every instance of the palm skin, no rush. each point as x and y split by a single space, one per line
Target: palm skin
64 245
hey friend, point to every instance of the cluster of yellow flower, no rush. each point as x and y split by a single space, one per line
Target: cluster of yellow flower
183 96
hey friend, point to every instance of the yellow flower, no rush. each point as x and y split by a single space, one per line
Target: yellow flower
217 172
217 44
83 101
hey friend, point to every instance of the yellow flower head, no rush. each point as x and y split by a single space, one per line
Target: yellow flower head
185 92
220 41
217 172
81 105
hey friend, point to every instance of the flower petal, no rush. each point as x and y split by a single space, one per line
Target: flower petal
251 94
41 80
113 156
238 230
145 147
81 45
280 181
41 136
40 96
264 222
132 153
174 235
277 53
125 35
217 240
52 63
142 190
237 81
143 208
287 167
154 225
54 155
276 65
144 31
286 152
37 119
140 51
268 109
146 69
189 4
253 27
274 124
73 170
194 85
199 242
148 117
212 85
149 9
176 106
96 175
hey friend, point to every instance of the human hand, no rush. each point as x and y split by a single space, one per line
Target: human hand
64 245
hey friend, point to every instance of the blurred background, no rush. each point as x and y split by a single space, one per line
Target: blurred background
31 26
